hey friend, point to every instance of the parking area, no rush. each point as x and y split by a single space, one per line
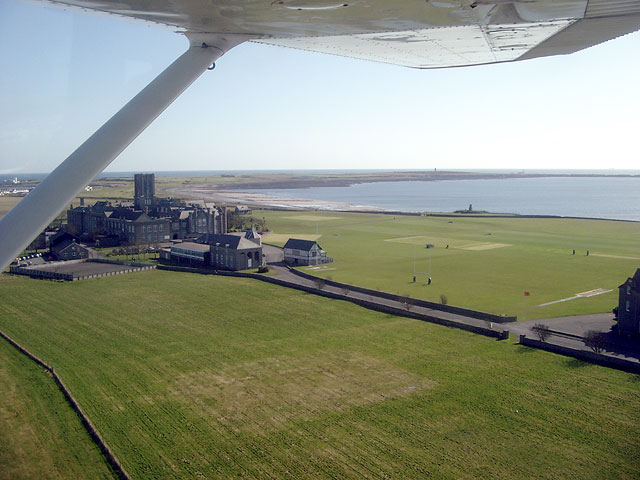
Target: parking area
78 269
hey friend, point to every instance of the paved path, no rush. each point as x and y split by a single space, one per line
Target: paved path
285 275
574 327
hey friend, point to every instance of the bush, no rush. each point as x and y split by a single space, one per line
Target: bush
542 331
443 299
595 340
263 269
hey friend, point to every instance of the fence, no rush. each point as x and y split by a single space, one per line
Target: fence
93 433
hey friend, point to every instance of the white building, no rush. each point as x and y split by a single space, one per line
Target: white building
304 252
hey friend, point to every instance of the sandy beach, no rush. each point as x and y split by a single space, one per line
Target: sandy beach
264 200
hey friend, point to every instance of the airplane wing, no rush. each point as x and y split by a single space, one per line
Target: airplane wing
413 33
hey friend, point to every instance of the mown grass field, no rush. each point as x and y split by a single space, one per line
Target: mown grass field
489 264
40 435
190 376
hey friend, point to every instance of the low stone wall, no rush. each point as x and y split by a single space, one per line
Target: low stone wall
45 274
587 356
422 303
335 296
93 433
133 269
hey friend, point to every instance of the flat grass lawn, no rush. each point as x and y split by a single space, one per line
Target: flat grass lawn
7 203
41 437
191 376
489 264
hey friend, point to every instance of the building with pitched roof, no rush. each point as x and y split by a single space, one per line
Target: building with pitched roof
220 251
65 247
137 228
234 252
304 252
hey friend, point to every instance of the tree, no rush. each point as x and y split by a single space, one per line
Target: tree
408 303
542 331
443 299
319 283
595 340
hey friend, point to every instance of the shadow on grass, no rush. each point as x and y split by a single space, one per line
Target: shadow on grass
575 363
525 349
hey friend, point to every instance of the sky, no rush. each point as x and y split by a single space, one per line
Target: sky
65 72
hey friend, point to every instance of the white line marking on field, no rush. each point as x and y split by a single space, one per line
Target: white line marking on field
590 293
614 256
487 246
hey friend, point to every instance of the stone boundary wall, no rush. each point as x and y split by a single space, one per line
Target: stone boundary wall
93 433
40 274
587 356
70 277
422 303
335 296
133 269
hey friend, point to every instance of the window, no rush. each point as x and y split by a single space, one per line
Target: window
160 227
628 309
144 229
628 289
155 228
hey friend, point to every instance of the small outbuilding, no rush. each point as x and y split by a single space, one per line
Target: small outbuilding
629 305
304 252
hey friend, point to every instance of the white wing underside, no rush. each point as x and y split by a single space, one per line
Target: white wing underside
413 33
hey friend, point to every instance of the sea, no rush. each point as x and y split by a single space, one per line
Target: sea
612 194
610 197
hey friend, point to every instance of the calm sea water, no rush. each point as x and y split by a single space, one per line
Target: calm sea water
598 197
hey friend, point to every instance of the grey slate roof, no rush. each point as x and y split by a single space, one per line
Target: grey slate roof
198 247
298 244
59 237
127 214
227 240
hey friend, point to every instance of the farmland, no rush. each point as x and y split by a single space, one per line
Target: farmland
489 262
190 376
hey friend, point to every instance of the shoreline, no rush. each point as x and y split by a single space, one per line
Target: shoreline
276 181
272 202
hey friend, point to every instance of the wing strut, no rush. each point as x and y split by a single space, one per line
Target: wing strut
34 212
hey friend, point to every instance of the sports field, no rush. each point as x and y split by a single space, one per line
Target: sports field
191 376
482 263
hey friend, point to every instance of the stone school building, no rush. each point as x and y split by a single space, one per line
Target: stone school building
221 251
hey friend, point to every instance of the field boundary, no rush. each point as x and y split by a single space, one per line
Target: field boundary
491 317
584 355
45 273
91 430
500 335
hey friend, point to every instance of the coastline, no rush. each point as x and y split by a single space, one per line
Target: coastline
270 201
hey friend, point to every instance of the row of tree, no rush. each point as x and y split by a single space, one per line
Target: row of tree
594 339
